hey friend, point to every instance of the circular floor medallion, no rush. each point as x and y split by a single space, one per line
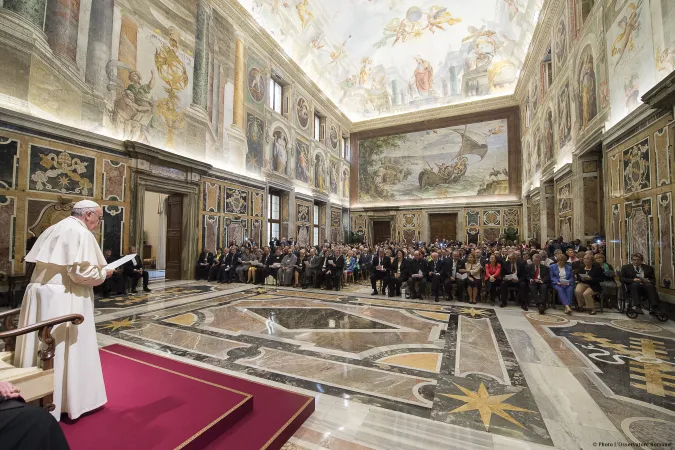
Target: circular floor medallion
546 318
632 325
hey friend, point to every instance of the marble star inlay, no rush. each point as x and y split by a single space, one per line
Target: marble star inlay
486 404
117 324
473 312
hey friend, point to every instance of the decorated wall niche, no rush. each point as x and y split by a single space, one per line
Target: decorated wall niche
279 160
564 197
303 223
320 171
334 177
302 161
564 115
336 224
586 88
548 137
255 137
560 42
345 182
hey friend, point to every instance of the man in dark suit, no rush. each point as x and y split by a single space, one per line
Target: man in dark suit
134 270
270 269
335 265
312 269
203 265
639 279
539 278
226 266
449 272
434 269
416 271
116 282
578 247
379 270
216 262
25 426
514 267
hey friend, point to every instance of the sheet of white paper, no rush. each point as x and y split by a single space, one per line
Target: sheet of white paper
460 276
114 265
511 277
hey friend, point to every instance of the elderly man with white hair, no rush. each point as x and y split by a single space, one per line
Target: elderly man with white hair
68 264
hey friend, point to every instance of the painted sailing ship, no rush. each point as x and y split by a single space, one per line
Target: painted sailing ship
448 173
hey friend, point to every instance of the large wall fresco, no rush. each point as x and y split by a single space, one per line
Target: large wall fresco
458 161
376 59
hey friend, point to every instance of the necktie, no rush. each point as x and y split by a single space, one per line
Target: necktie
536 273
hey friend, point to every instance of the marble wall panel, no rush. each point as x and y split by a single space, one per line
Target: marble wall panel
492 217
7 233
40 215
257 203
511 217
9 163
614 176
662 154
472 218
61 172
113 229
615 243
565 198
639 234
666 242
257 231
211 197
566 229
491 234
210 232
234 231
114 180
236 201
637 174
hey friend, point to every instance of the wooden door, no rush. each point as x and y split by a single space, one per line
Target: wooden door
442 226
381 231
174 236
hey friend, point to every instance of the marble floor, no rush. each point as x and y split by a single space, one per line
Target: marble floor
392 373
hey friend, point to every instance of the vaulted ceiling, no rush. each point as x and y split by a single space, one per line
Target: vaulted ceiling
378 58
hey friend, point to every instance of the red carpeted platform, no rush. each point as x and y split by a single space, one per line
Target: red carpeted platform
150 406
276 413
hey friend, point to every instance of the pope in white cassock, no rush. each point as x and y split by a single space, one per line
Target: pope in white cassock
68 264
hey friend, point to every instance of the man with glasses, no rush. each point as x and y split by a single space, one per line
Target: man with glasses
68 264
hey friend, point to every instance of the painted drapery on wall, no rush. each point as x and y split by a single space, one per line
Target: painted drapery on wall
458 161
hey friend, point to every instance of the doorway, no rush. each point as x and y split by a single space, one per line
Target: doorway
162 235
442 226
381 231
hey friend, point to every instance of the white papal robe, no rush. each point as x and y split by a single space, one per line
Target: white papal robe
69 263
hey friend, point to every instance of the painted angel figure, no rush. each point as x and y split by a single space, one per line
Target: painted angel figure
437 16
629 23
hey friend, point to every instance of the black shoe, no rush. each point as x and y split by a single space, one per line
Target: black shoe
638 310
398 293
304 287
524 307
374 292
436 299
134 291
542 310
502 305
147 289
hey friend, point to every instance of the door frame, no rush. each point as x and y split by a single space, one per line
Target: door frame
154 183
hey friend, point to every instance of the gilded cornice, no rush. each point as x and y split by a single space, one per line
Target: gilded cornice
540 40
437 113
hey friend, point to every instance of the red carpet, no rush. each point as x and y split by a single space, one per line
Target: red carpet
150 407
276 413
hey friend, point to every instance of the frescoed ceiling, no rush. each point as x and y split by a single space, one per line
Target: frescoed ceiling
377 58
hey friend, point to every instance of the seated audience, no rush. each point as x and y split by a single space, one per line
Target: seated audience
608 285
300 267
451 267
114 283
434 269
416 278
255 263
379 269
513 275
350 264
272 264
203 265
639 279
396 276
589 277
562 280
313 270
216 263
539 278
493 276
244 265
472 269
286 268
134 270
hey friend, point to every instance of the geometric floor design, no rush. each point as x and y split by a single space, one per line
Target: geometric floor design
421 374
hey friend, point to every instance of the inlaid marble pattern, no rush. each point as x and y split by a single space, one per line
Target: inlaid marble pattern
9 163
114 180
392 354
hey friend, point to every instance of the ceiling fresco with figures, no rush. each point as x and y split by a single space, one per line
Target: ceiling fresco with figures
378 58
